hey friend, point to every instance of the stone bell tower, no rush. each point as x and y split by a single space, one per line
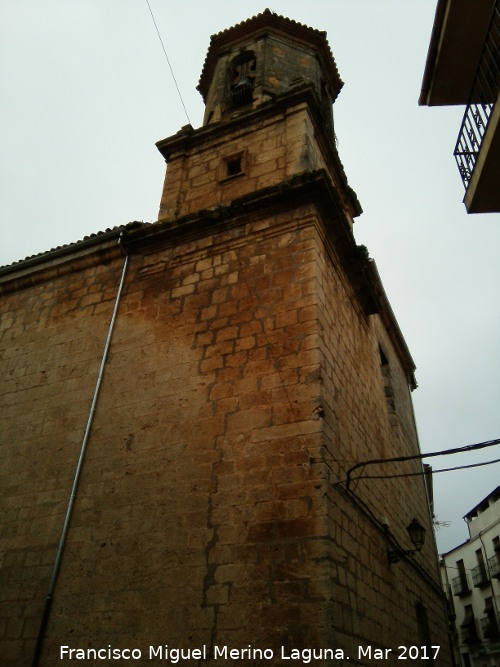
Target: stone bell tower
268 85
250 360
309 372
251 66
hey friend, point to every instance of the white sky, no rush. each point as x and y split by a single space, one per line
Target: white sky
86 92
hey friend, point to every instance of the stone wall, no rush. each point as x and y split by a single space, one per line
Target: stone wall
273 144
243 381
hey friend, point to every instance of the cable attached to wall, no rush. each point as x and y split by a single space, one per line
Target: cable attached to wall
424 472
398 459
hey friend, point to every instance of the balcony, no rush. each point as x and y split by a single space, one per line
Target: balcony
460 585
468 631
489 627
494 566
480 576
477 151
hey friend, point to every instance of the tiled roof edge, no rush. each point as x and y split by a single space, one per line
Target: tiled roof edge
219 37
90 239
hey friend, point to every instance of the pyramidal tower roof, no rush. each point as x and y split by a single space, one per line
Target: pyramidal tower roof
259 25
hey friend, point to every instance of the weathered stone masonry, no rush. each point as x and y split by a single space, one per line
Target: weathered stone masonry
254 360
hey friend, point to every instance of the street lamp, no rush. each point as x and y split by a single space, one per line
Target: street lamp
417 536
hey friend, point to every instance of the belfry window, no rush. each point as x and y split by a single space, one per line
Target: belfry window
243 70
388 386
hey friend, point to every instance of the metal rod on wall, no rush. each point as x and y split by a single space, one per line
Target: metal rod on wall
69 509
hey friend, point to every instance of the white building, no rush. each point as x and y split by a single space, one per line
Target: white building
471 574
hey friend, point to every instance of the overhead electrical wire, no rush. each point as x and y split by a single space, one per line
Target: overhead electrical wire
217 195
424 472
398 459
168 62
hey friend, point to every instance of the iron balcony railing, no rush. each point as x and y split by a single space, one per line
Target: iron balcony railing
468 631
494 565
489 626
479 576
482 99
461 585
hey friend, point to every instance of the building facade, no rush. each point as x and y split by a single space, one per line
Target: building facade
463 68
472 579
182 403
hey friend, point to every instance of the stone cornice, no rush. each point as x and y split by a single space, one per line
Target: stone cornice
307 189
310 188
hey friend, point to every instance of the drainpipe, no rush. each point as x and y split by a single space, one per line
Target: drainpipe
76 478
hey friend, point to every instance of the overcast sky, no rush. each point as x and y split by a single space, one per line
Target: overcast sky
86 92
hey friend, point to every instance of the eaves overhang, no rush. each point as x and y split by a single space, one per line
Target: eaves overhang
494 495
457 38
459 546
93 250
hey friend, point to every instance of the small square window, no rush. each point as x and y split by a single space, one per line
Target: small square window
231 166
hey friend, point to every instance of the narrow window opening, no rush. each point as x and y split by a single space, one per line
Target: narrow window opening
233 166
424 631
388 386
494 561
460 583
327 109
468 628
489 622
479 573
466 659
243 71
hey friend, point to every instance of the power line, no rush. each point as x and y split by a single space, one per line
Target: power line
168 62
423 472
216 193
446 452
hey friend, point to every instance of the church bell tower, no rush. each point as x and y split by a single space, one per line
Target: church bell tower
268 85
251 365
302 369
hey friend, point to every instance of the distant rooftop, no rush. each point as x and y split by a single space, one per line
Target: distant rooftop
483 505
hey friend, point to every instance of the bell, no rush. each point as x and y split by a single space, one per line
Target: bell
241 93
